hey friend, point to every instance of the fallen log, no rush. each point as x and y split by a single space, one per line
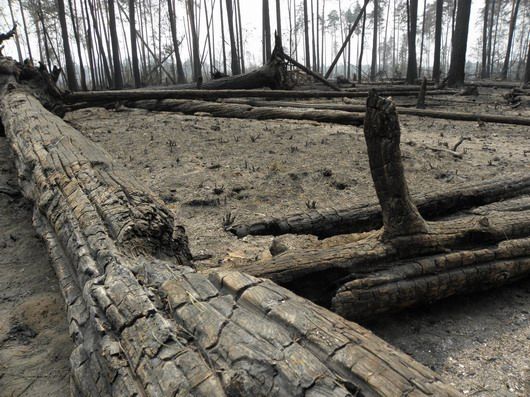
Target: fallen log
340 274
437 114
144 323
103 97
230 110
367 216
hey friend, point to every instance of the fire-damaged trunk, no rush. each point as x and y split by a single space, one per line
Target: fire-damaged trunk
423 261
143 321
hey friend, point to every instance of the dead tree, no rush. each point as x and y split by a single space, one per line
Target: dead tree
457 68
143 321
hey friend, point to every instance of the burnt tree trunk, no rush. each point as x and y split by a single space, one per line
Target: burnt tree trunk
457 68
436 70
412 16
382 134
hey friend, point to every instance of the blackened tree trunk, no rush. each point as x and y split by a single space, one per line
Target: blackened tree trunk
412 66
14 23
73 15
241 49
436 72
25 29
412 16
70 68
360 65
490 40
194 41
279 20
373 69
223 44
513 19
306 37
118 78
483 69
236 69
134 46
526 81
456 75
266 34
422 37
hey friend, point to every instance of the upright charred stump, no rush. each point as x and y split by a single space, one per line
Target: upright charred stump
421 97
382 134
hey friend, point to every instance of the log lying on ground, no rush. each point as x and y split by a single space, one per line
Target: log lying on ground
367 216
232 110
341 275
103 97
437 114
145 323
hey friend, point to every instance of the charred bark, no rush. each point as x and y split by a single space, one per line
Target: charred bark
367 216
231 110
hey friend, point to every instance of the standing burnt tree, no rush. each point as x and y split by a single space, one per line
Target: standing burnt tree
236 68
70 69
513 19
457 68
412 16
436 70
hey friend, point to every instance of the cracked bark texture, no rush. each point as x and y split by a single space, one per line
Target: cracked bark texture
145 323
382 134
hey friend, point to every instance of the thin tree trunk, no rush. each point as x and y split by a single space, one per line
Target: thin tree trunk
373 69
134 45
412 16
223 42
118 78
181 77
241 41
236 69
73 16
436 72
490 34
195 41
14 23
313 45
25 29
266 32
306 37
279 21
513 20
422 38
526 80
360 66
483 69
90 44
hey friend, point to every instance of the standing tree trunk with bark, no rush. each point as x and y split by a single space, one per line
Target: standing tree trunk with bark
436 70
236 68
190 5
373 69
266 33
457 68
118 77
483 69
526 81
134 45
181 77
513 20
412 16
306 37
70 68
360 65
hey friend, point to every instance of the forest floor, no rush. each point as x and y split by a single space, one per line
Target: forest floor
34 342
206 168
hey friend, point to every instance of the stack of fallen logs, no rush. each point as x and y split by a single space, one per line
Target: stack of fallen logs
145 323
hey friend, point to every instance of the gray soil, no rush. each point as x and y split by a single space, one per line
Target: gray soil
34 341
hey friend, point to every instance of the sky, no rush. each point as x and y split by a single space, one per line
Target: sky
251 14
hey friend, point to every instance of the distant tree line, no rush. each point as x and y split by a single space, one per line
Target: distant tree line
117 43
